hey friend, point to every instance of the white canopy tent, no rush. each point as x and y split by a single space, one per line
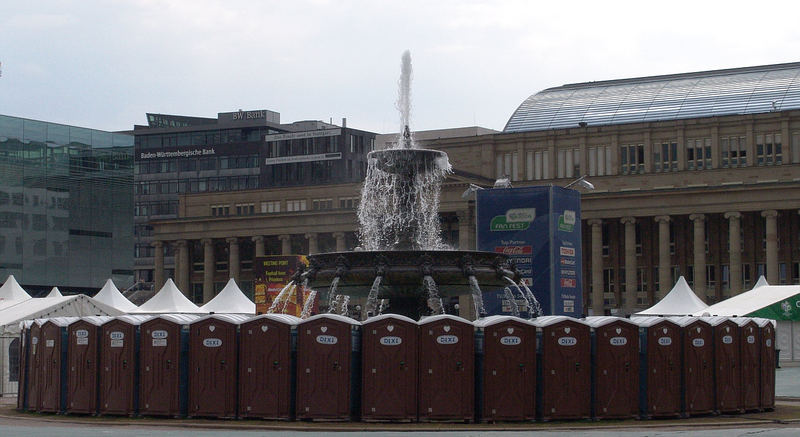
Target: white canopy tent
111 296
11 291
680 301
169 300
775 302
230 300
55 292
37 308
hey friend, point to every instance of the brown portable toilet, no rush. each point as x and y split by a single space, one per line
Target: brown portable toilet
82 364
53 361
750 362
118 388
565 360
767 374
661 372
506 361
213 365
697 338
163 350
446 369
35 365
327 367
389 368
266 363
616 367
727 365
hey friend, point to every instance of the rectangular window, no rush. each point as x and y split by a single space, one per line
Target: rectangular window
599 157
746 276
665 156
270 207
529 165
348 202
296 205
726 278
769 150
732 151
698 153
632 159
321 204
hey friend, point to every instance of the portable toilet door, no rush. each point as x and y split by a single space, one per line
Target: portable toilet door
767 374
389 368
213 365
565 362
118 392
661 366
698 365
163 350
507 370
82 364
446 369
327 371
266 366
35 365
54 364
750 359
24 351
616 367
727 365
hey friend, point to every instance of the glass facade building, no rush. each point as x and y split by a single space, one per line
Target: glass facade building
66 205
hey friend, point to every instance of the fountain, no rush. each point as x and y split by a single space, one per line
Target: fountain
403 263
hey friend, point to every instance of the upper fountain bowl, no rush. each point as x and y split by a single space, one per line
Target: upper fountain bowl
409 161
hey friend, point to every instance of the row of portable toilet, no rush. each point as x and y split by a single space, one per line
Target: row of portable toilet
391 368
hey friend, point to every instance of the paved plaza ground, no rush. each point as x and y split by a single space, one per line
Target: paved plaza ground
783 422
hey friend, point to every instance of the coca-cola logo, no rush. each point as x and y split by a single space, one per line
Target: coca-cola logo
514 250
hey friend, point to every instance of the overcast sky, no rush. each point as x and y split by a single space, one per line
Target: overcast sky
104 64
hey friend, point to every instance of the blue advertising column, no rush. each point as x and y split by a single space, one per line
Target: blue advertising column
540 229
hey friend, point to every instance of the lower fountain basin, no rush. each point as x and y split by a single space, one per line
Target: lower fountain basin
402 271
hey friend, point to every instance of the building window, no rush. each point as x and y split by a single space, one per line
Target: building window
656 280
599 161
672 238
220 210
726 277
296 205
321 204
733 150
665 156
675 273
608 280
689 275
698 153
632 159
271 207
506 165
768 149
711 276
795 147
537 164
747 279
605 238
569 163
638 236
782 273
348 202
761 270
245 209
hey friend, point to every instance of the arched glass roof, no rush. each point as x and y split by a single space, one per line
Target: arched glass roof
747 90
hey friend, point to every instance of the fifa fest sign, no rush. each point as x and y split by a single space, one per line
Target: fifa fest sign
539 229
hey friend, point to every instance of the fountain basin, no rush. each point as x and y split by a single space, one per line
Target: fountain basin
402 271
409 161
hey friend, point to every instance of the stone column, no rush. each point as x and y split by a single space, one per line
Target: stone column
312 242
158 265
735 251
630 264
598 301
233 258
209 266
182 266
341 245
699 255
286 245
259 240
771 217
664 257
464 230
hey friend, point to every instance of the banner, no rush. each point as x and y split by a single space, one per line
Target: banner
272 274
539 228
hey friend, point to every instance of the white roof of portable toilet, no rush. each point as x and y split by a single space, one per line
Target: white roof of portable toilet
169 300
680 301
230 300
110 295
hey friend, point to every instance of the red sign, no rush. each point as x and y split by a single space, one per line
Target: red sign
514 250
567 251
568 282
